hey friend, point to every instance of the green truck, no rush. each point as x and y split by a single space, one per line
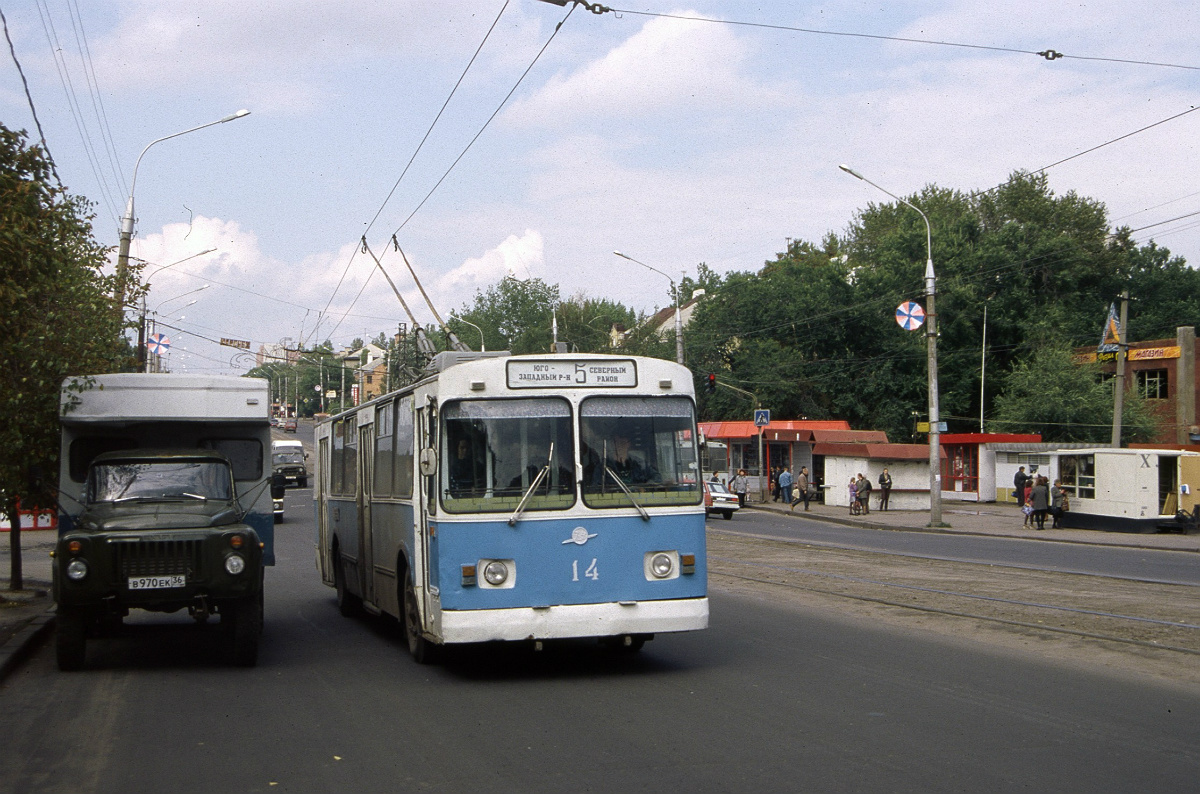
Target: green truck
170 480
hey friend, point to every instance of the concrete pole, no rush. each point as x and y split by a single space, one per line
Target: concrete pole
1119 385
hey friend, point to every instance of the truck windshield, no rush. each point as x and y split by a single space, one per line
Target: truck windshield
493 451
647 443
289 459
159 480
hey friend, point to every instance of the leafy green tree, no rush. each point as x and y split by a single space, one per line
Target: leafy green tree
513 315
812 333
59 320
1051 394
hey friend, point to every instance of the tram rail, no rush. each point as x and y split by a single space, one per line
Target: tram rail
1162 616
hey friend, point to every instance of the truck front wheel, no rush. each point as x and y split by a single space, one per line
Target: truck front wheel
70 644
247 615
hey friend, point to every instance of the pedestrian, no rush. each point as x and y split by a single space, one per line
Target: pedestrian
774 484
801 488
1026 503
854 506
1058 498
885 488
738 485
864 493
1039 497
1019 480
714 478
785 484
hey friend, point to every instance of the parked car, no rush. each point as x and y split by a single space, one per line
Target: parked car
719 499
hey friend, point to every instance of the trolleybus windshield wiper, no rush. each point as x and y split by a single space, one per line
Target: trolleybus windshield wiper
512 520
629 493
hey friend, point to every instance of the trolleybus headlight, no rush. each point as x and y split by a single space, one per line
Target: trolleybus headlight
496 573
76 570
661 565
235 564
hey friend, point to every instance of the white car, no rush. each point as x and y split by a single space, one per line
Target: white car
719 499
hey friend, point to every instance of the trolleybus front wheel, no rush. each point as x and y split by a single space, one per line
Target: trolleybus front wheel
422 650
348 603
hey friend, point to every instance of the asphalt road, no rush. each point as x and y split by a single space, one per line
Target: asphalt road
773 696
1170 567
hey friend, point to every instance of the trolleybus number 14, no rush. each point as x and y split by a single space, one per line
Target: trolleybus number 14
591 572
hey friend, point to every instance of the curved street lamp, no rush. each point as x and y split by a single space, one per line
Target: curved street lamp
678 316
935 464
127 219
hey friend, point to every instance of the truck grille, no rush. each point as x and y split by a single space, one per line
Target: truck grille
156 558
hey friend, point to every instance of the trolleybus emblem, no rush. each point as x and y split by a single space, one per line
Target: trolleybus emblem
579 536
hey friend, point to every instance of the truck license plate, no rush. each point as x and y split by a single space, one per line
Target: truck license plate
156 582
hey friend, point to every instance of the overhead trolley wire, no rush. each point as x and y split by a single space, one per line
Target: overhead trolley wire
495 113
1048 54
436 118
467 148
358 248
29 98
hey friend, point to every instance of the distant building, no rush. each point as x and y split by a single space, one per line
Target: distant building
276 353
1164 372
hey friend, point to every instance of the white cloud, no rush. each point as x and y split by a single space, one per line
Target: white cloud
667 67
514 256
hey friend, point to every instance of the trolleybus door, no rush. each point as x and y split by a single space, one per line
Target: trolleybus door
366 478
425 506
321 485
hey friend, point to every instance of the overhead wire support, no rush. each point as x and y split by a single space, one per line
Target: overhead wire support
424 344
454 341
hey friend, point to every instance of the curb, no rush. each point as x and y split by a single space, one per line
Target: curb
13 652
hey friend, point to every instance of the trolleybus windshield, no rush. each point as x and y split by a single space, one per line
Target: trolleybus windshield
648 444
494 450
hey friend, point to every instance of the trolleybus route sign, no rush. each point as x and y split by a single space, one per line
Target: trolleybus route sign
582 373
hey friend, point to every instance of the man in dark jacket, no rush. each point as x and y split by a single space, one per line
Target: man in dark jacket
1019 481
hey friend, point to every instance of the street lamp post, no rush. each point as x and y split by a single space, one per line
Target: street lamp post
127 220
935 463
678 316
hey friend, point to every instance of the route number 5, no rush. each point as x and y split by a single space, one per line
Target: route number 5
591 572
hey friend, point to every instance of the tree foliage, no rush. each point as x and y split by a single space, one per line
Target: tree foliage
813 332
1051 394
59 317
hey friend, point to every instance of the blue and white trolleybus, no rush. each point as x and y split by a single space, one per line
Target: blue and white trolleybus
519 498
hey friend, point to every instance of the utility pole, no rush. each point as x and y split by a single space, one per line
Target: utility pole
1119 386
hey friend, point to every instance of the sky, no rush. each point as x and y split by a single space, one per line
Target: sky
674 132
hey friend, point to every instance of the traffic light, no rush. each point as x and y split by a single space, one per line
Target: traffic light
711 384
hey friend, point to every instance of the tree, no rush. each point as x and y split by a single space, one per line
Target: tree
812 333
59 320
1067 401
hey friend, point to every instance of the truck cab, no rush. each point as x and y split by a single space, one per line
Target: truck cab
161 530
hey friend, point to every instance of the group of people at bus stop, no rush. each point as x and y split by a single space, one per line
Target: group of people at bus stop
1037 498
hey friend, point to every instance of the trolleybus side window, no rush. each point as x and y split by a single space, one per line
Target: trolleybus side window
384 427
646 445
344 460
494 451
403 446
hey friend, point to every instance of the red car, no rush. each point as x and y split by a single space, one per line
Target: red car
719 499
289 425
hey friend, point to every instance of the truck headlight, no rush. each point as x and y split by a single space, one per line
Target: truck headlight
77 569
661 565
235 564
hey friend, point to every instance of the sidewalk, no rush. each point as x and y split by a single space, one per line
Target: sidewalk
25 616
988 518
